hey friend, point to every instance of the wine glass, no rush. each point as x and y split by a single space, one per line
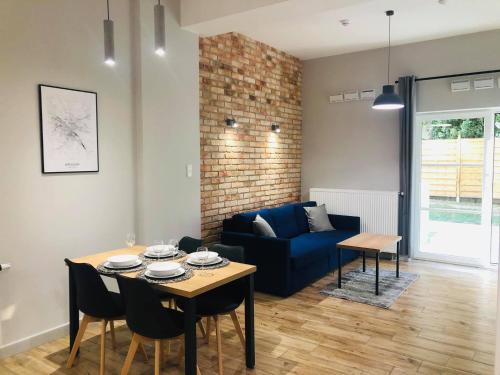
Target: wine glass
175 244
130 240
158 248
202 253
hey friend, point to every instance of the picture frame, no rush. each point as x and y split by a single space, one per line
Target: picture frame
68 130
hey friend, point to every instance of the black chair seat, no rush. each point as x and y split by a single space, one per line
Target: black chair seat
168 324
222 300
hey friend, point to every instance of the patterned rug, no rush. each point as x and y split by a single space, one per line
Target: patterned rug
359 286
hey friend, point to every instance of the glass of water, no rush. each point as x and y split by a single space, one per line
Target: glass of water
130 240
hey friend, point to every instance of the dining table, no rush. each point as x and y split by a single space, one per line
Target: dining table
186 289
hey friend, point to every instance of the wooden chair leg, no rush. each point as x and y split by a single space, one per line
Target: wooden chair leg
134 344
198 372
103 347
237 326
157 356
143 352
207 335
170 303
219 344
83 327
202 329
113 336
180 354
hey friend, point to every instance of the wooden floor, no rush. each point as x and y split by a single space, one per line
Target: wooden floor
444 324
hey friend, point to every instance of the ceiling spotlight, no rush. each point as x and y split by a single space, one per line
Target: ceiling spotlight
275 128
442 2
231 122
345 22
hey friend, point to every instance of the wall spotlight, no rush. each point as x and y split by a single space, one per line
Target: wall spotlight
275 128
231 122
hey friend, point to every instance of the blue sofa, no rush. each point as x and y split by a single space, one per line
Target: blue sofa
295 258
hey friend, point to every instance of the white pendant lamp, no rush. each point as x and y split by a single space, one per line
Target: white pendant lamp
160 48
109 40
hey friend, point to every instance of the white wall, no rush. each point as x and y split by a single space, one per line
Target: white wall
46 218
168 131
349 145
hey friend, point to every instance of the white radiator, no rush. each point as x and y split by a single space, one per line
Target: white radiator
378 210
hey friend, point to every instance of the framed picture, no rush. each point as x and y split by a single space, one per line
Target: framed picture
68 123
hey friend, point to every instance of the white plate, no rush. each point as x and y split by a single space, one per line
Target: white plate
181 271
196 262
211 255
111 266
152 254
122 261
163 269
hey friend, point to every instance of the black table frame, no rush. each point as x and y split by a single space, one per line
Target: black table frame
190 349
377 265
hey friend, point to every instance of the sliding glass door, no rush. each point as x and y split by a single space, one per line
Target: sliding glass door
495 220
453 178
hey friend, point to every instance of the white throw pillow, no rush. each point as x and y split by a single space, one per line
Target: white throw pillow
317 218
262 227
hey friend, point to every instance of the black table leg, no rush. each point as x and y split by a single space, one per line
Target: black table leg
397 259
339 256
376 272
190 363
249 323
74 317
364 261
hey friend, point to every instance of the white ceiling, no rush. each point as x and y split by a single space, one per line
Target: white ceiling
310 28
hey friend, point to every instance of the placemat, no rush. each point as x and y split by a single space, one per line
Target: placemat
108 271
187 266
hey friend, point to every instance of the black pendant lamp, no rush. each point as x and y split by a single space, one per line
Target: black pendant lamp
388 100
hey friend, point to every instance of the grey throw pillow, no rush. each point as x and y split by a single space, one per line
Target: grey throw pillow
262 227
318 219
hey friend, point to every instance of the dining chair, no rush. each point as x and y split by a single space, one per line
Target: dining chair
189 244
98 304
221 301
148 319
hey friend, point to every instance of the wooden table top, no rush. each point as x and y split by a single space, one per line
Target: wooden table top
377 243
188 288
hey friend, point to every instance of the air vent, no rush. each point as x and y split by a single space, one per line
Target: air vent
484 83
337 98
368 94
458 86
351 95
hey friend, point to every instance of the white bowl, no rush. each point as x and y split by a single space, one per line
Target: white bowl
200 256
163 268
123 260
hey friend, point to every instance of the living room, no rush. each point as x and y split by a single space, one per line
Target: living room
236 153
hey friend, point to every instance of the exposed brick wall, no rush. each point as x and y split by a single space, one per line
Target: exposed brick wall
248 167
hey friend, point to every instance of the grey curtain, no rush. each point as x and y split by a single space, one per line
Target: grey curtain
407 91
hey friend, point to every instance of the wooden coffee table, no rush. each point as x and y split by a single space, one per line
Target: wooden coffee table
373 243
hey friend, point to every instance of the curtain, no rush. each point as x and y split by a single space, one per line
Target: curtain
407 91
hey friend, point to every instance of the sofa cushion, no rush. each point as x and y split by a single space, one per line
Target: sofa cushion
318 219
300 215
285 222
244 222
311 247
262 227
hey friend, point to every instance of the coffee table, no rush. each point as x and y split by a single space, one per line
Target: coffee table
372 243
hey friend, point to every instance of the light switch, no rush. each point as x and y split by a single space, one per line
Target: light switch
189 170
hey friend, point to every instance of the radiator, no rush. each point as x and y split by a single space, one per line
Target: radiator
378 210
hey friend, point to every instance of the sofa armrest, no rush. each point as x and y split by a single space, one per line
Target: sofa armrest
270 255
343 222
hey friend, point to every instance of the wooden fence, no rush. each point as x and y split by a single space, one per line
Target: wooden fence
454 167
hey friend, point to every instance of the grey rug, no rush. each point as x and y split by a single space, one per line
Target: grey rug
359 286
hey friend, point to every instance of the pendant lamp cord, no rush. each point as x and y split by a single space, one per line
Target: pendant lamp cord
107 4
389 54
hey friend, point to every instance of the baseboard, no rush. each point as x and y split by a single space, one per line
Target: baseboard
33 341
